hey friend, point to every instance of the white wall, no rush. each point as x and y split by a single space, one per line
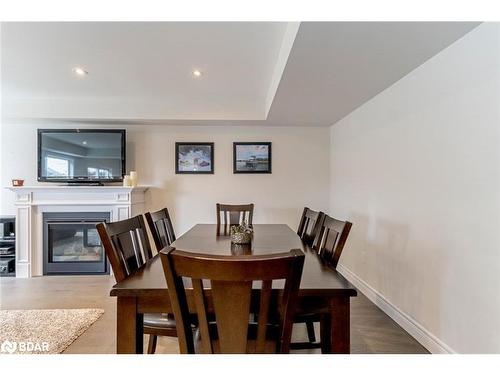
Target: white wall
1 169
417 170
300 158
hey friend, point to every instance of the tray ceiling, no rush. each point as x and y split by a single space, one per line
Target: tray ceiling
264 73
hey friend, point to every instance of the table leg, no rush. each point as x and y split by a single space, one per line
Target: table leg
129 327
325 326
340 325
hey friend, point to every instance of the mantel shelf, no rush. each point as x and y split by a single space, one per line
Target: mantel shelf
79 188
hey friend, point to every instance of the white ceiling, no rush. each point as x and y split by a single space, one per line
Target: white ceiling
334 67
254 73
143 68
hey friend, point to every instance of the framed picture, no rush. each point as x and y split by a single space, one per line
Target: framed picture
194 158
252 157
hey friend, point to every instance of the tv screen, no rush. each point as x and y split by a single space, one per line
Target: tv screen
73 155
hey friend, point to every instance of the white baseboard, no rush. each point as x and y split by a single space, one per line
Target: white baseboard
419 333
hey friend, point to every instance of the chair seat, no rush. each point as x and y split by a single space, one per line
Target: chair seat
159 321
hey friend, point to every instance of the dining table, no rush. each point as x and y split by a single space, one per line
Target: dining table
323 290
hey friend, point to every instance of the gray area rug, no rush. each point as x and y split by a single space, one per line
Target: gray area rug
43 331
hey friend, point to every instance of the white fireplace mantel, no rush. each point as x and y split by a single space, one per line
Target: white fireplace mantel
32 201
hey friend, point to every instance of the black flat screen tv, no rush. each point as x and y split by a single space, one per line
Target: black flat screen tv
81 155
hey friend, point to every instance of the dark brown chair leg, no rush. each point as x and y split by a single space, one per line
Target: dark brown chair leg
152 344
310 331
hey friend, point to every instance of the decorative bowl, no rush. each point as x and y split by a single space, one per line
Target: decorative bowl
241 237
17 182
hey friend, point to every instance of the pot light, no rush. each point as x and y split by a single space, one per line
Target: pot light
197 73
84 142
80 71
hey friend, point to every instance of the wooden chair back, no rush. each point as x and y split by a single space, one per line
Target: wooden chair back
331 239
126 245
232 215
309 225
230 280
161 228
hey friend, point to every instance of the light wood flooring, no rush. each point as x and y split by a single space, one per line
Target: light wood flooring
372 331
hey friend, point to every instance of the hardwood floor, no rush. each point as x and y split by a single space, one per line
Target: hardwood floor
372 331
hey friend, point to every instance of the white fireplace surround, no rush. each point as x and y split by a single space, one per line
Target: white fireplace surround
32 201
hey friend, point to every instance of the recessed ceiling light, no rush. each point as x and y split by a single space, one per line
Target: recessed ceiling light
84 142
80 71
197 73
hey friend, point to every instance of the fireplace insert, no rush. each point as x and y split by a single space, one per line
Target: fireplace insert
71 244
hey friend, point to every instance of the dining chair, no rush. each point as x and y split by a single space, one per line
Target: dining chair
127 248
309 225
329 242
308 229
331 239
221 288
161 228
233 215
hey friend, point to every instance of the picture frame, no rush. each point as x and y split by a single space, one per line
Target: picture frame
194 157
252 157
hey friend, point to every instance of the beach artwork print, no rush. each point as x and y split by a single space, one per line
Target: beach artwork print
195 158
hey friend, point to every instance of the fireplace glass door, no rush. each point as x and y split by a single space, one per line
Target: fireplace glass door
72 244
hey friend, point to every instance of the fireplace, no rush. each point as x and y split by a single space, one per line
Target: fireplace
71 244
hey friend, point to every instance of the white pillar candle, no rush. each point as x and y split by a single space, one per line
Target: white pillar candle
126 180
133 178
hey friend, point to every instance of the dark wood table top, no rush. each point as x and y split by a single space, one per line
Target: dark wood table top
318 280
